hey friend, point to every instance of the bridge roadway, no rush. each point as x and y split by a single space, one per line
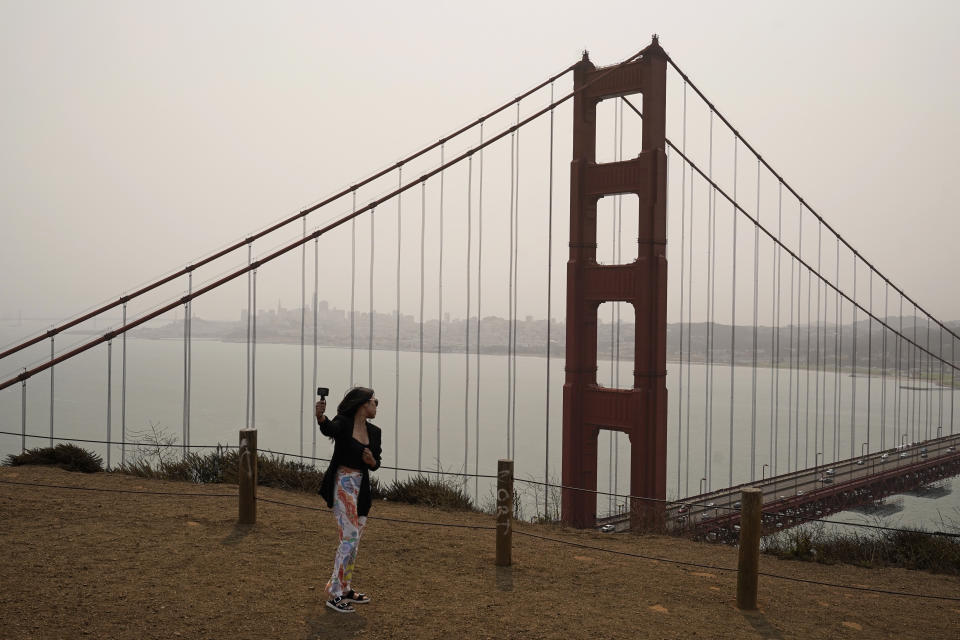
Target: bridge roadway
792 498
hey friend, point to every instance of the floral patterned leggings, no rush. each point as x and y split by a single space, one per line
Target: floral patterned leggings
351 527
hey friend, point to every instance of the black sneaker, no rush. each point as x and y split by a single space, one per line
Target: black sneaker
340 605
356 597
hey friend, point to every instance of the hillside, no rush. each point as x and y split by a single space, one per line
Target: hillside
79 563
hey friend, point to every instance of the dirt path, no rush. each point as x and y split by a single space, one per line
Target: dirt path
123 565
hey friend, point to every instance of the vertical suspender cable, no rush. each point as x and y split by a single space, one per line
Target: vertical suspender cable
466 337
189 362
316 304
249 321
303 328
853 364
708 408
619 246
683 266
775 340
123 394
689 331
929 378
953 373
796 422
940 384
516 253
613 324
897 406
914 372
23 413
423 219
476 447
546 428
353 287
510 293
440 316
373 217
869 356
839 356
916 367
186 369
883 367
817 431
806 366
109 397
756 298
253 354
823 404
396 348
51 368
733 313
790 381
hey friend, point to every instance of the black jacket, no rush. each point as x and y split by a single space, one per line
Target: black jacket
341 430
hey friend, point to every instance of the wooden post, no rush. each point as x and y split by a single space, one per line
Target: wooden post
504 512
247 476
751 502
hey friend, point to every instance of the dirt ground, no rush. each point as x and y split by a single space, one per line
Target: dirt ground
126 565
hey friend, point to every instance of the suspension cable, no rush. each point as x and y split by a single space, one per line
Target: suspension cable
802 263
282 223
840 238
318 232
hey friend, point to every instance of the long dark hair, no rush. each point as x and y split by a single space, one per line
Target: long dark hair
353 399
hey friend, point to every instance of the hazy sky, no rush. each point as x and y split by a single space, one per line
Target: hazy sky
138 136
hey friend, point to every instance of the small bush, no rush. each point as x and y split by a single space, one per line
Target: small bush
65 456
431 492
907 549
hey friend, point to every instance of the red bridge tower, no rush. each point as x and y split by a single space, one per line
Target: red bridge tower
640 412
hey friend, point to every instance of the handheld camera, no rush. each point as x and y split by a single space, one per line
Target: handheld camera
323 392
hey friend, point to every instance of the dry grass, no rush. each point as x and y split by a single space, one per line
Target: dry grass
128 565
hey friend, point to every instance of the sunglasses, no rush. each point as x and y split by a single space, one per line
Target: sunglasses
375 402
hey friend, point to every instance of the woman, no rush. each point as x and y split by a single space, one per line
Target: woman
346 485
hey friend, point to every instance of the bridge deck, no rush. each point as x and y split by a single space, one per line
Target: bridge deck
797 497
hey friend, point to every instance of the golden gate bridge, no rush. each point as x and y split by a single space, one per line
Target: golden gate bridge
794 364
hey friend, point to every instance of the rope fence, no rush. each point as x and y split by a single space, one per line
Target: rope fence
706 503
528 534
